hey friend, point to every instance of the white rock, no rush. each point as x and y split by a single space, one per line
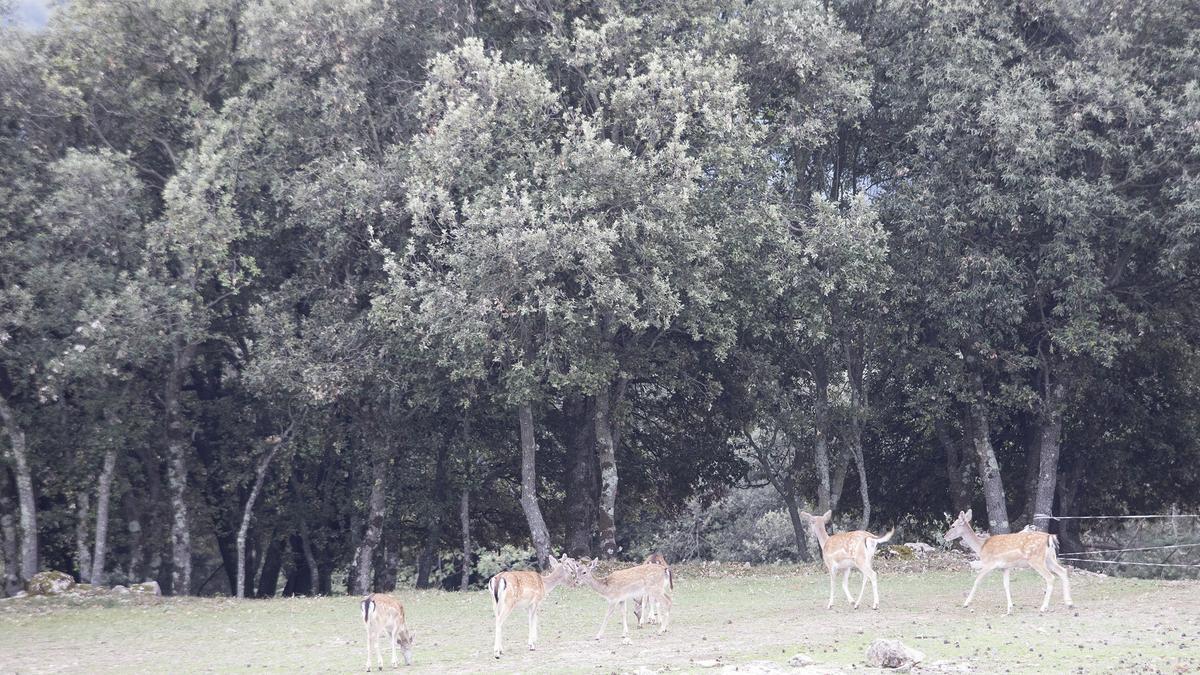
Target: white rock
800 660
892 654
147 587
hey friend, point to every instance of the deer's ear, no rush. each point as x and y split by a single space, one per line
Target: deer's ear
827 516
592 565
805 514
966 516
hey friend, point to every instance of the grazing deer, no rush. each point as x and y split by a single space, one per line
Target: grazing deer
644 581
1038 550
651 608
384 614
511 590
847 551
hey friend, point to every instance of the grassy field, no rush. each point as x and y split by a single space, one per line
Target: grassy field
724 617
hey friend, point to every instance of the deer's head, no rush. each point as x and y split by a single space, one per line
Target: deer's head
960 527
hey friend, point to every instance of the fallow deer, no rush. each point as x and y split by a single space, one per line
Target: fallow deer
847 551
651 609
511 590
1038 550
384 614
645 581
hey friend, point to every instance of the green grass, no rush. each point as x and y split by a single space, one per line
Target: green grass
733 617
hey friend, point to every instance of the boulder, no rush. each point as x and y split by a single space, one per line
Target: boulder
50 582
801 660
920 548
146 587
119 590
892 654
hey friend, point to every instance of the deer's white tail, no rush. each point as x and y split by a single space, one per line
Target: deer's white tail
497 586
368 605
885 538
670 579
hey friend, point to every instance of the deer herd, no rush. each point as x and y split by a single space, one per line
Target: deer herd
650 584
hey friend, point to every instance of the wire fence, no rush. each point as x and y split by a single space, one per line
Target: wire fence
1097 556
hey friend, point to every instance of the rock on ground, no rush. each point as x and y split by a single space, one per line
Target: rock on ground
800 660
50 582
147 587
892 654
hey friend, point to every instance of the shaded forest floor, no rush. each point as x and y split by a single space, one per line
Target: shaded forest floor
725 617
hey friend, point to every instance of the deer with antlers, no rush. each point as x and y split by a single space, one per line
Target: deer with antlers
1038 550
847 551
511 590
385 614
646 582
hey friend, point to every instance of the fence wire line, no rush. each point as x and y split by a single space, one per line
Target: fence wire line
1119 562
1043 516
1128 550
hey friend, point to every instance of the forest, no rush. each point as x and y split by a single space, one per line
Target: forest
320 296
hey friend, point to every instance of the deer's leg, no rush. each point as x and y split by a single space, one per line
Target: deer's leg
662 606
970 596
612 606
1056 568
1007 590
392 636
368 647
625 621
501 615
874 587
533 625
862 588
846 586
832 586
1048 578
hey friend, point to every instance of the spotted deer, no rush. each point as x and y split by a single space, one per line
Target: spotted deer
1038 550
651 609
511 590
847 551
385 614
646 581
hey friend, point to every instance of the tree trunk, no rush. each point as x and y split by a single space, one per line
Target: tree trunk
464 521
1068 492
858 403
103 496
8 537
839 479
956 476
1051 439
133 520
385 576
582 487
989 466
314 571
268 577
798 530
860 463
529 500
260 475
25 499
364 558
1033 455
821 439
299 582
606 455
177 457
433 530
83 552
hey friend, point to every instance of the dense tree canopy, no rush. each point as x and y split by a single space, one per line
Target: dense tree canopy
346 294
